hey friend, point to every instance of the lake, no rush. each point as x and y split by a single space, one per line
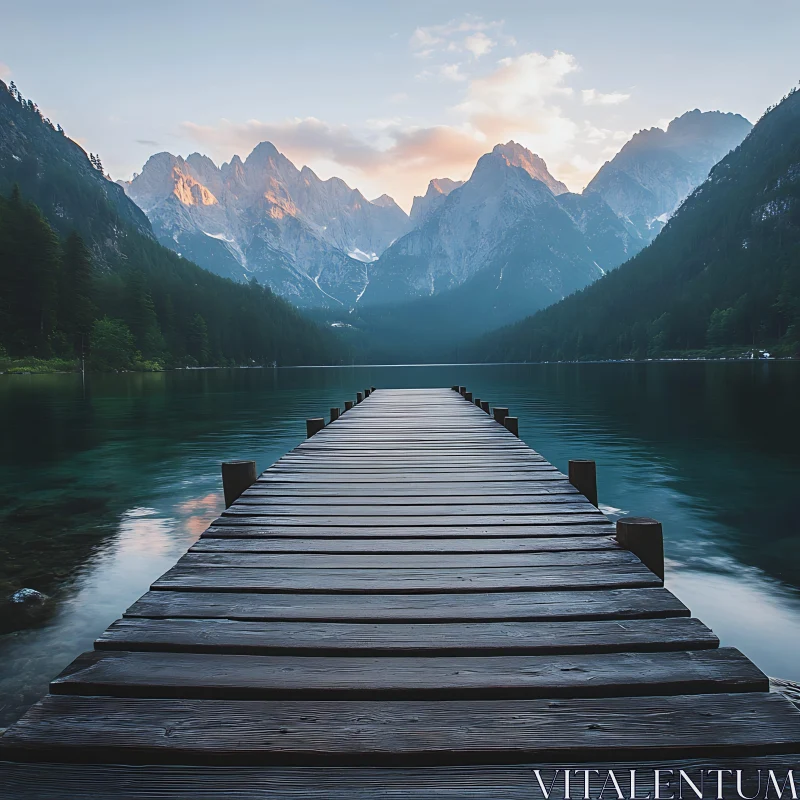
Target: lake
103 486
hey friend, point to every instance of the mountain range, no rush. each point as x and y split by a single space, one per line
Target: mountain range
723 276
309 240
511 239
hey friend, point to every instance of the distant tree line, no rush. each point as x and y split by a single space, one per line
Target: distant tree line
157 310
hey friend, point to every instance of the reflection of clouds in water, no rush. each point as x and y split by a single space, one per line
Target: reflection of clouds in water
196 525
751 612
208 502
200 512
140 531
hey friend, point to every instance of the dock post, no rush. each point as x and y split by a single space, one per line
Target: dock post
644 537
461 390
485 405
512 423
236 477
334 414
454 388
478 402
359 397
348 404
366 393
468 396
583 476
500 414
314 426
371 389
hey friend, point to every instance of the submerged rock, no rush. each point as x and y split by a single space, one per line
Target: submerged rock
23 609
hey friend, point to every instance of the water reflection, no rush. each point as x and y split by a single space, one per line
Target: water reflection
102 490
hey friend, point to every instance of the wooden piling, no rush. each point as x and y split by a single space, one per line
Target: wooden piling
644 537
583 476
348 404
314 425
334 414
366 393
236 477
462 390
454 388
359 397
485 405
499 414
512 424
478 402
468 396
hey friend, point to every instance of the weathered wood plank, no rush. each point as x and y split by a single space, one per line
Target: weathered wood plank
392 495
405 733
238 527
561 504
22 781
421 581
493 476
250 677
396 545
466 639
551 516
383 561
508 606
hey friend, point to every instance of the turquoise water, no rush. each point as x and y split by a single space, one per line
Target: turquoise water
104 485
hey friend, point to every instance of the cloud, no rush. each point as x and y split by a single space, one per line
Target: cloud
526 98
451 72
398 97
5 71
479 44
591 97
468 34
148 142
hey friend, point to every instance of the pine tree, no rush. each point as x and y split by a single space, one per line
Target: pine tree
141 315
76 310
197 340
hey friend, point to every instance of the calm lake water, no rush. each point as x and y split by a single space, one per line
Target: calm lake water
104 486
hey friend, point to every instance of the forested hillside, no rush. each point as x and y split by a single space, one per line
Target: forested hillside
81 273
724 273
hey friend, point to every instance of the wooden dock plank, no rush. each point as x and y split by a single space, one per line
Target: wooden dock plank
546 527
405 581
397 733
256 677
397 545
199 635
42 781
384 561
500 606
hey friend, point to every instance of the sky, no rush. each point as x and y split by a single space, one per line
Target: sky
388 95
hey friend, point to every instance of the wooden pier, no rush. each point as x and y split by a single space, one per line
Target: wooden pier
410 604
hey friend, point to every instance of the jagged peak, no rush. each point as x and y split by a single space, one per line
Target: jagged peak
516 155
201 161
442 186
384 201
262 151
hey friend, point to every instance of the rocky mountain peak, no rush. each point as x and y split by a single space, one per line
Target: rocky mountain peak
437 190
384 201
657 169
516 155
